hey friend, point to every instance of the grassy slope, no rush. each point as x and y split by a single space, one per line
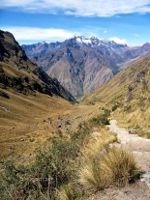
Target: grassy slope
128 93
27 121
28 118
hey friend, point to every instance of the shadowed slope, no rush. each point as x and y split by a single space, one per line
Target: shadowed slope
19 73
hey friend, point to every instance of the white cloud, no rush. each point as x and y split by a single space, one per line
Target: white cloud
119 40
39 34
34 34
81 7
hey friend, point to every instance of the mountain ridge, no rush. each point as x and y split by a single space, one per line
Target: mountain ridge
21 74
83 64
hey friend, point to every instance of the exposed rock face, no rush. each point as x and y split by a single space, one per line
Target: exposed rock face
83 64
19 73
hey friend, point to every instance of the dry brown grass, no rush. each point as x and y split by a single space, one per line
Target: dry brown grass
112 167
120 166
138 120
69 192
24 122
128 95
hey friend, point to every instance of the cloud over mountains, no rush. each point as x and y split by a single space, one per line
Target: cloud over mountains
35 33
81 7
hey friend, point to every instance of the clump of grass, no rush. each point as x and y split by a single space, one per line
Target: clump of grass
114 167
69 192
120 166
92 177
143 133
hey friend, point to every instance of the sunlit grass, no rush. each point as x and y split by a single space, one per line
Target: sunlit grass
113 167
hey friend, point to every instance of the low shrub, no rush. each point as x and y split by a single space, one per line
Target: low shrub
52 168
102 119
115 106
144 133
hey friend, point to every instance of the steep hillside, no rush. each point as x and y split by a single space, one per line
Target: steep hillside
19 73
83 64
128 95
29 101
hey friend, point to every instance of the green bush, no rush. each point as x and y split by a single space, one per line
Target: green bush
102 119
52 168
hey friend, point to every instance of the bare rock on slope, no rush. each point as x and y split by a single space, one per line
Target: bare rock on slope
84 64
19 73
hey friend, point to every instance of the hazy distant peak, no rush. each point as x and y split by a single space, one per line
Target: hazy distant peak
94 41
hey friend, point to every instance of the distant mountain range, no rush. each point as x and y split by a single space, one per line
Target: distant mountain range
20 74
83 64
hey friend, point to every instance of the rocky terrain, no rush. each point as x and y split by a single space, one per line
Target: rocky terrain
19 73
84 64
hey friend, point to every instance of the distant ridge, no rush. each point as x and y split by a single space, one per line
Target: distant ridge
83 64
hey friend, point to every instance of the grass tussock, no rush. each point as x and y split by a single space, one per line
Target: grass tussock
91 176
120 166
70 192
114 166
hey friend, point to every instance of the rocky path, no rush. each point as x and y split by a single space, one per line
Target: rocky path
139 146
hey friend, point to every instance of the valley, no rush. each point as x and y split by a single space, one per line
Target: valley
54 147
27 122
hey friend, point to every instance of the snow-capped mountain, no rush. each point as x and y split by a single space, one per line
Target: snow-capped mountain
82 64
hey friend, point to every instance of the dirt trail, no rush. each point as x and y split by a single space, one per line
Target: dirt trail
139 146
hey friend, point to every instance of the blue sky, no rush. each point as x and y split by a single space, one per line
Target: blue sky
124 21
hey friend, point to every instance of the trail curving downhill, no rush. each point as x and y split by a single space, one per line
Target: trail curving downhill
139 146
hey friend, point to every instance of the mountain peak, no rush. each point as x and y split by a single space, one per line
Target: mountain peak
83 39
146 46
94 41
